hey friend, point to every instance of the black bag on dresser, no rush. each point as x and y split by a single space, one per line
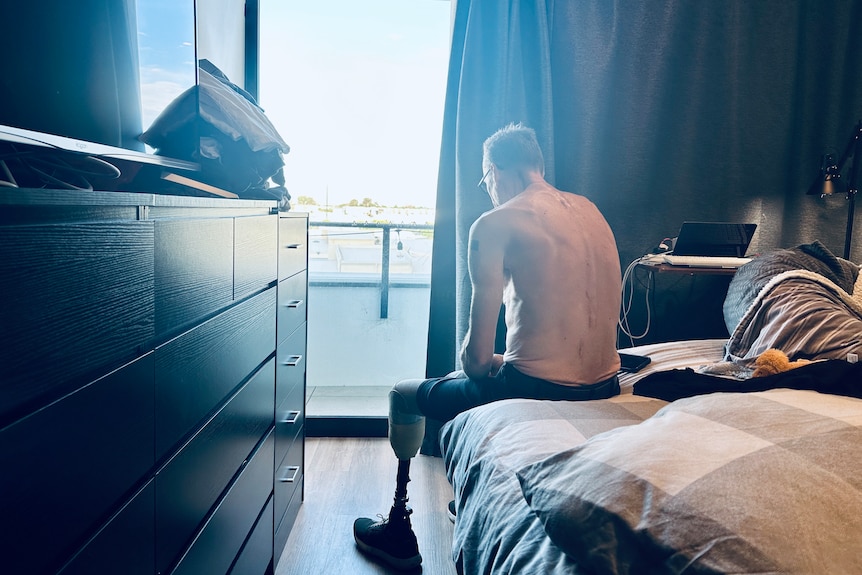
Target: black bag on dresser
220 126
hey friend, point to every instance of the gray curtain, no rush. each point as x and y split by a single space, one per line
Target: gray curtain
658 111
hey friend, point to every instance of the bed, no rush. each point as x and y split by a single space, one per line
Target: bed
696 467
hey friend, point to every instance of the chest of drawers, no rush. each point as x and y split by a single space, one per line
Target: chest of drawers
148 420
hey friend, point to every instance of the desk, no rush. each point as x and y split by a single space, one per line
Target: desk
671 303
692 271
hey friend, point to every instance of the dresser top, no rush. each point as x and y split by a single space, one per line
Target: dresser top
37 197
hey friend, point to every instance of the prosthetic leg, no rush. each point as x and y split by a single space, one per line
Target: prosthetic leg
392 539
406 430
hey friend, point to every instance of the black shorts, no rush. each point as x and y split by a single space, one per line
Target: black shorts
443 398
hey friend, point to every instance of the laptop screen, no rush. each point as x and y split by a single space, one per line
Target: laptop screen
721 239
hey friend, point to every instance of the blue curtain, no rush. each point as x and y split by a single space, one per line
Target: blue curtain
499 72
658 112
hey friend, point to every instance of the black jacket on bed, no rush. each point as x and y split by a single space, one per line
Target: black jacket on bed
834 376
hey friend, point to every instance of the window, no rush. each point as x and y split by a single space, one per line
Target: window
356 88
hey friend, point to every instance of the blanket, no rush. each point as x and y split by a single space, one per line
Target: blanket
750 483
799 300
754 483
496 532
751 278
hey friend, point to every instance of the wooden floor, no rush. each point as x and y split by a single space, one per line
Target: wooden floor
348 478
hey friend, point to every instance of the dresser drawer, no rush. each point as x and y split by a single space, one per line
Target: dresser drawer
292 308
198 369
128 540
68 466
288 477
256 554
194 270
292 246
289 419
255 254
285 523
62 285
218 543
195 478
290 367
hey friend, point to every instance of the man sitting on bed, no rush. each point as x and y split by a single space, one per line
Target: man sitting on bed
552 259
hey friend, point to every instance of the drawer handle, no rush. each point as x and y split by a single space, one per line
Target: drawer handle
291 417
293 303
293 246
293 470
292 360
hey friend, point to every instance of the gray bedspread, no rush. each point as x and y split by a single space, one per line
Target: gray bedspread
496 532
745 483
799 300
755 483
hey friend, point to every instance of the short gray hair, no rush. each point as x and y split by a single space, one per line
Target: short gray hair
514 146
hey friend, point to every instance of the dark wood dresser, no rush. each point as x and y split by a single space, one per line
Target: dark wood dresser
152 382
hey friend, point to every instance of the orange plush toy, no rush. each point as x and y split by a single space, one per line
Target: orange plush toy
774 361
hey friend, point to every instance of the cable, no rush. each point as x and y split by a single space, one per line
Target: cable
627 298
82 183
60 170
9 182
66 170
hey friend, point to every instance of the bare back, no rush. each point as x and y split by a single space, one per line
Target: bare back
561 285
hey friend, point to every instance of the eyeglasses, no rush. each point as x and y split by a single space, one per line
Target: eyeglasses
483 185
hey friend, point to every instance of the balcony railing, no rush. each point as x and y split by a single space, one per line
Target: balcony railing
369 290
359 254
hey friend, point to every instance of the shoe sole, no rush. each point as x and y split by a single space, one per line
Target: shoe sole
401 563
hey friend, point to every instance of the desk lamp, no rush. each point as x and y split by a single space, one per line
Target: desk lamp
828 181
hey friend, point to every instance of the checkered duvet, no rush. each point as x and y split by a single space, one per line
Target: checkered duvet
765 482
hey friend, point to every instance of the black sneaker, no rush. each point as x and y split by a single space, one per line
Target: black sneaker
390 539
450 511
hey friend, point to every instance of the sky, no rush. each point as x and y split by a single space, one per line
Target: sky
356 88
166 48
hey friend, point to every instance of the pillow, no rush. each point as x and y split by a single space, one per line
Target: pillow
766 482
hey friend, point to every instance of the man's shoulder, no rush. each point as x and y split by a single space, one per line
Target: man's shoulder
502 218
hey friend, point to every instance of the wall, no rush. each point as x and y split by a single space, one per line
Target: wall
221 36
348 343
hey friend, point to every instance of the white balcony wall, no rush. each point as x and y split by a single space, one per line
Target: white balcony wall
350 345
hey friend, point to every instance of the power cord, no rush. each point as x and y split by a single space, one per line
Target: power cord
9 182
628 291
55 168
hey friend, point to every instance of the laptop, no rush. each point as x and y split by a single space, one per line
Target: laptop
711 244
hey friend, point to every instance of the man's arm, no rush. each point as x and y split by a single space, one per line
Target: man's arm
486 266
